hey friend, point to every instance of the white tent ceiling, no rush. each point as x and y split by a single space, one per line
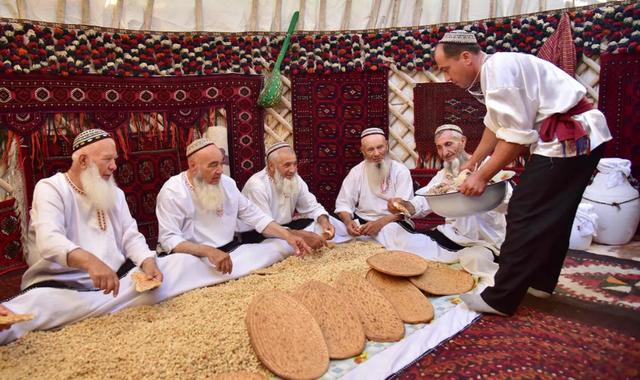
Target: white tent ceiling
270 15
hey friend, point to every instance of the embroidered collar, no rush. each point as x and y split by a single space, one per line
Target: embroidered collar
73 185
186 182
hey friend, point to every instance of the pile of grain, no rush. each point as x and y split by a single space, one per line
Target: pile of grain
196 335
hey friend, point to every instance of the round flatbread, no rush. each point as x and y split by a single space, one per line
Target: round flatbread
410 303
240 376
380 320
286 337
340 324
443 281
398 263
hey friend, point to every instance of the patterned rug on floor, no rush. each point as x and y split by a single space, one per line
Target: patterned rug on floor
530 345
602 282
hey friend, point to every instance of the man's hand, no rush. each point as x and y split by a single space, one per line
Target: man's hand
392 208
4 312
326 225
103 277
150 268
467 165
312 239
372 228
353 228
298 244
221 260
473 186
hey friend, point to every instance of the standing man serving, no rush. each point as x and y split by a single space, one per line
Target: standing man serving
530 103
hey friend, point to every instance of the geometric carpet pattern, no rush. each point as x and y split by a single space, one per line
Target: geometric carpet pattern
530 345
600 280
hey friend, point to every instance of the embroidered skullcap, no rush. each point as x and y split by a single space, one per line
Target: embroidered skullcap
277 146
448 127
198 144
459 37
372 131
88 137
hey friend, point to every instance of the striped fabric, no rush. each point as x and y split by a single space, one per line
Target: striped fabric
559 48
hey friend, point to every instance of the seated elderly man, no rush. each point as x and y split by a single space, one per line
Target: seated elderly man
197 213
83 240
362 201
487 229
278 190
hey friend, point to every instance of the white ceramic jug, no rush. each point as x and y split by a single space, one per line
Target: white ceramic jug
615 201
584 226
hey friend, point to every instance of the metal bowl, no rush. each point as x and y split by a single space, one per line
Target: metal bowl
457 205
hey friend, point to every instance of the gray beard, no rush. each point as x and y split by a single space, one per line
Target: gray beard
101 193
377 173
284 185
211 196
453 167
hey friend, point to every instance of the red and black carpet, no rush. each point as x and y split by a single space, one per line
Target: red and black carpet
530 345
602 283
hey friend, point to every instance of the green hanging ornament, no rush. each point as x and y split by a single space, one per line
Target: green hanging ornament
270 95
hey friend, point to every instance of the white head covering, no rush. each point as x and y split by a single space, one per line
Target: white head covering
277 146
198 144
372 131
459 37
448 127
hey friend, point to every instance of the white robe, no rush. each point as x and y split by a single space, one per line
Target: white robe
521 91
63 220
356 197
182 217
487 229
56 308
261 190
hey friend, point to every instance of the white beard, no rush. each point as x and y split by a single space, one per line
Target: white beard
211 196
285 185
101 193
377 174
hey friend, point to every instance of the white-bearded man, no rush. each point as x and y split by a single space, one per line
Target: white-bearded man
279 191
197 214
362 201
83 246
483 230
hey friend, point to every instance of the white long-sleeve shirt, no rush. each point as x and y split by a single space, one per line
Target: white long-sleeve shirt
181 216
260 190
356 195
487 229
521 91
63 219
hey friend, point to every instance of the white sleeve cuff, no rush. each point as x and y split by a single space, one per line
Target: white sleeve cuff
263 223
62 259
168 245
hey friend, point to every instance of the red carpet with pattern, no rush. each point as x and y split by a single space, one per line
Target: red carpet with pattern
532 344
602 283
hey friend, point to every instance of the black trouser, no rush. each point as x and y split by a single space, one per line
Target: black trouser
539 221
255 237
